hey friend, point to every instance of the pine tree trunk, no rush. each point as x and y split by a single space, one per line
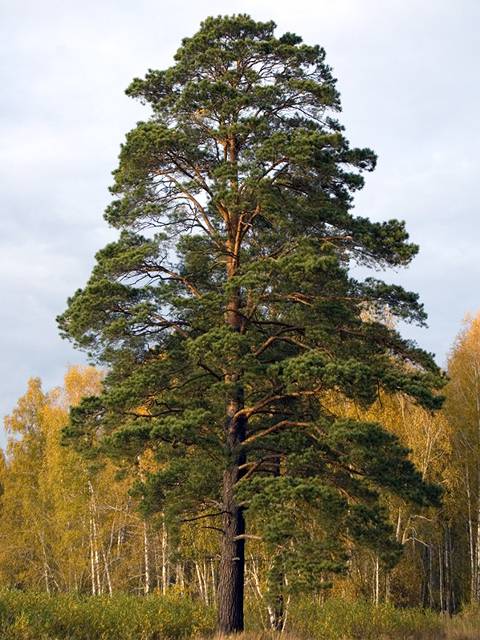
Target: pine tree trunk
232 561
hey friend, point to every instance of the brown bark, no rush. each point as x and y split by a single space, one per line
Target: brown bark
232 561
231 578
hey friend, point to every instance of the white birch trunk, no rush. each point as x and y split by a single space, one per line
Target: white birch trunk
165 576
92 560
376 592
146 550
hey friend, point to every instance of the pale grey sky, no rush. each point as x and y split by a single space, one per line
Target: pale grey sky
408 74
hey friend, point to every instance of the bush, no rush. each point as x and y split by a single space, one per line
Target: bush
343 620
30 616
37 616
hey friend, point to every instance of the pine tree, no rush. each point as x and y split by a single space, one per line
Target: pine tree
227 308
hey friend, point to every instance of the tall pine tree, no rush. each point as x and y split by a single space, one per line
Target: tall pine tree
226 312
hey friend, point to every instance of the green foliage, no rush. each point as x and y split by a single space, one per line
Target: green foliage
226 312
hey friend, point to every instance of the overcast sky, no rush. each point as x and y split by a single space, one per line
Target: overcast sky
408 74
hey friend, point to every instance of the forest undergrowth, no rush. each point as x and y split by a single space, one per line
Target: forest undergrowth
38 616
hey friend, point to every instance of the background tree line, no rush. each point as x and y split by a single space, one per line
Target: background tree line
70 524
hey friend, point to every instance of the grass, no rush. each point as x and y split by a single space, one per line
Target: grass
465 626
28 616
342 620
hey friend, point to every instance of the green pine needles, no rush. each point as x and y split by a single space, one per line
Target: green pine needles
229 320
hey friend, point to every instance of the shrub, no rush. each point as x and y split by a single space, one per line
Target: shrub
31 616
344 620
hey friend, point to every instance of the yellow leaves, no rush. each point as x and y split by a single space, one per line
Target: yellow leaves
25 417
60 516
463 390
44 485
80 382
147 462
462 410
143 411
428 435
